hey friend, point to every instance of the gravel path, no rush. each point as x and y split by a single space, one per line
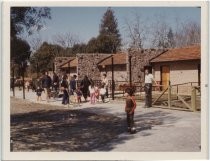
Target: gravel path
101 127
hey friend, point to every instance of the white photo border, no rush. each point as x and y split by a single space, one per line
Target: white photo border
7 155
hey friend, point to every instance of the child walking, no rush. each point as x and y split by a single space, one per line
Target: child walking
79 95
97 93
129 109
92 92
39 93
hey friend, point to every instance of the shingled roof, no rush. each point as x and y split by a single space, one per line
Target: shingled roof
118 59
59 61
178 54
73 63
67 61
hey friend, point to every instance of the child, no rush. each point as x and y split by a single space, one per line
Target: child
92 92
102 92
129 109
39 93
79 95
97 93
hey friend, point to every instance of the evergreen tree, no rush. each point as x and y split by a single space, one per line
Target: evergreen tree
79 48
92 46
109 40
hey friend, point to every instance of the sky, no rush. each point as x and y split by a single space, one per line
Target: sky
84 21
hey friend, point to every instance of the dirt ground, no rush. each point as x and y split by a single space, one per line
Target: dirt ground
38 127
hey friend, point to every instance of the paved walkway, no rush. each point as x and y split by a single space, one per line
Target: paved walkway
158 130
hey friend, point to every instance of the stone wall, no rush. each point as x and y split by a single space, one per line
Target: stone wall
87 65
120 73
58 61
140 59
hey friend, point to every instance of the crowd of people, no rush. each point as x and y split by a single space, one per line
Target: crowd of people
67 88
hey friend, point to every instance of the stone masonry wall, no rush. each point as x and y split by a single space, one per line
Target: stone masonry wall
87 65
120 73
140 59
58 61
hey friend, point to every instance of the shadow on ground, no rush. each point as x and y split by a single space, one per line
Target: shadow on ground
74 130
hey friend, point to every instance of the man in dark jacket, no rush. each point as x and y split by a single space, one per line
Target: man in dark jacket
64 88
46 84
84 87
55 81
73 85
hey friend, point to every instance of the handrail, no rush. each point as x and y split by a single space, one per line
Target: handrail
183 83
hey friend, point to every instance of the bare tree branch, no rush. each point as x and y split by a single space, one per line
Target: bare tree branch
35 43
66 40
136 31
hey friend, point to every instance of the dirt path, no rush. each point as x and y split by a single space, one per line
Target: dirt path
38 127
101 127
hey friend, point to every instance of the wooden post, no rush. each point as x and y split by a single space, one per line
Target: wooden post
13 79
177 91
53 67
69 68
23 70
112 78
169 96
130 74
193 99
37 70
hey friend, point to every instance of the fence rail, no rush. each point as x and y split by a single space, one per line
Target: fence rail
194 93
182 92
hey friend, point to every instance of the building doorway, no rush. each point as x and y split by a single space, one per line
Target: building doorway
165 76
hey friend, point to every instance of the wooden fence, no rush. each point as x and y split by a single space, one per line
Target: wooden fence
180 96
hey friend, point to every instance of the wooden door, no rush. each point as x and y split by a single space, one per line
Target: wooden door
165 76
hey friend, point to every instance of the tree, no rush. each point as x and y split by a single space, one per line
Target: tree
79 48
136 31
106 44
44 57
28 19
170 37
187 33
20 50
66 40
35 43
160 32
109 40
92 45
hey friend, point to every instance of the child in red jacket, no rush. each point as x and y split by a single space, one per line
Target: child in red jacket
129 109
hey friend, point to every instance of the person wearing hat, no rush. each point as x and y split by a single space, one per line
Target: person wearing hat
73 84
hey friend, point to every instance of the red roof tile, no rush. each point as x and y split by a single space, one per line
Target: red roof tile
119 58
185 53
66 61
73 63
